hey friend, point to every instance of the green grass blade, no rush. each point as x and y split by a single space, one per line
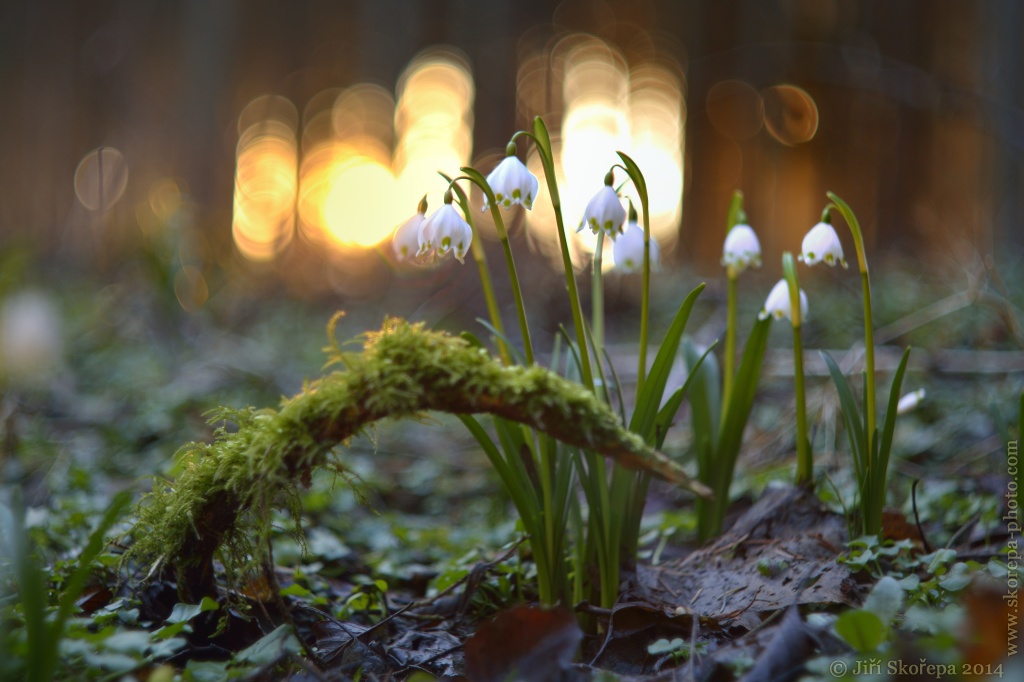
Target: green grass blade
573 354
616 384
516 353
598 365
733 423
32 588
705 394
667 413
851 417
97 541
881 464
515 479
648 402
741 399
43 638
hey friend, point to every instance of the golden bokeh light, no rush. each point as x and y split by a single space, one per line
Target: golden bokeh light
790 114
610 107
360 208
657 122
433 123
265 178
165 198
368 157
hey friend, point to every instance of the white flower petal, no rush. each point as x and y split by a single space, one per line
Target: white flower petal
406 242
605 212
910 401
445 231
778 304
741 249
426 236
628 250
512 183
822 244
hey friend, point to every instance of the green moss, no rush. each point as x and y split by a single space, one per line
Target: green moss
222 498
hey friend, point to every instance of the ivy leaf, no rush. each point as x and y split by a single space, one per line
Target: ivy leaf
182 613
861 629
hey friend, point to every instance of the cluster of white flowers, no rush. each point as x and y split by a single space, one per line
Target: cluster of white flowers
820 245
443 232
512 183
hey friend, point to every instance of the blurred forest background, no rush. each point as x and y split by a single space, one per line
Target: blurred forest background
261 146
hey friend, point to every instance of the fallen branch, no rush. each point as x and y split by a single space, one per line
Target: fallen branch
222 497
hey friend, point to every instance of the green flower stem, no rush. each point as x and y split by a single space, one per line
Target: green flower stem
640 184
869 332
597 297
645 299
480 256
542 140
804 459
475 177
517 292
729 361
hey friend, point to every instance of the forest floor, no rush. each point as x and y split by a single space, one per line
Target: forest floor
429 575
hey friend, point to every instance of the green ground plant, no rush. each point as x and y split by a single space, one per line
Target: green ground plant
869 446
224 495
721 403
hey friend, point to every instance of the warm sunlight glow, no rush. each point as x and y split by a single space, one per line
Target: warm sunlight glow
368 158
433 123
360 209
610 107
265 178
657 121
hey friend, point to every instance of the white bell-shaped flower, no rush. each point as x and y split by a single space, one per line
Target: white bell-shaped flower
512 182
406 241
910 401
628 249
741 249
778 304
605 211
822 244
445 231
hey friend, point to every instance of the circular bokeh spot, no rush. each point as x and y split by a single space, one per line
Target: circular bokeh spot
735 109
790 114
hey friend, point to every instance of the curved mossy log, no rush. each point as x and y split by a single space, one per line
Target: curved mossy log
222 495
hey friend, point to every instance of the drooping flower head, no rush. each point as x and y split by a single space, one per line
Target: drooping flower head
512 182
741 249
406 242
910 401
778 304
445 231
628 249
605 212
822 244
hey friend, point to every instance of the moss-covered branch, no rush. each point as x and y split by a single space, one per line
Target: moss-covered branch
221 497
